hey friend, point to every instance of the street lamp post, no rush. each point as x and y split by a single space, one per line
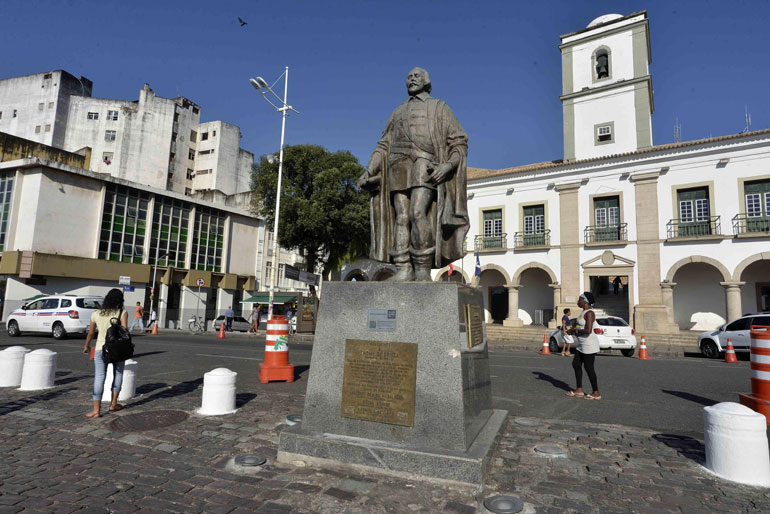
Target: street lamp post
263 88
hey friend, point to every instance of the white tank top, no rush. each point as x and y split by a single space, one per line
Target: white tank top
587 343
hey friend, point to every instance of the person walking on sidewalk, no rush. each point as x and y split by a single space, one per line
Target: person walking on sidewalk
566 338
586 349
100 320
138 318
616 284
153 319
229 315
254 318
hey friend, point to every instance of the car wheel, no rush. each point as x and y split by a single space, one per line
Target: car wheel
553 345
58 331
628 352
13 328
709 349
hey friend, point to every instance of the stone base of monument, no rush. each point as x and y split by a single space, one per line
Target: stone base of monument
399 383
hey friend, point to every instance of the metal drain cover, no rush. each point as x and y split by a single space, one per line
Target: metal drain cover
529 422
551 450
250 460
147 420
503 504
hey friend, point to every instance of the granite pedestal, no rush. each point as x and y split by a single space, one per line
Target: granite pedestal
452 430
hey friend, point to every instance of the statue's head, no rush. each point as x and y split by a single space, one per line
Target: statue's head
418 81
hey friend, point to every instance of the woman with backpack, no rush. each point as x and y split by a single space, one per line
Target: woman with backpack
112 308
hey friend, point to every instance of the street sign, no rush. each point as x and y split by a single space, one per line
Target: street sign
124 281
309 278
129 289
200 282
291 272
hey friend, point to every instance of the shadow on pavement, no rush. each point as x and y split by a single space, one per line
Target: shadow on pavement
559 384
684 445
7 408
148 388
299 370
69 380
691 397
242 399
145 354
177 390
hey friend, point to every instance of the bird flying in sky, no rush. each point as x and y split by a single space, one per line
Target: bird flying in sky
241 21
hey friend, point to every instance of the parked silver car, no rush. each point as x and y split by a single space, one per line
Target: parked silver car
615 334
239 323
714 342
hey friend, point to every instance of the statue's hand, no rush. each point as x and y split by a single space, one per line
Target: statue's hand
440 173
366 181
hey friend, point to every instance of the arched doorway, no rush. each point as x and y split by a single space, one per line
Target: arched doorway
457 276
356 275
755 293
698 290
493 281
535 297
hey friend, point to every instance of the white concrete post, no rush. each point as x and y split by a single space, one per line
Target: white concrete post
127 388
733 299
12 365
218 392
736 443
39 370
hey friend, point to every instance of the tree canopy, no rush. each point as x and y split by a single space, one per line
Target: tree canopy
323 213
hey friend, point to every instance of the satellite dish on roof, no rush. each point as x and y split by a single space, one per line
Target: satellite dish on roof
605 18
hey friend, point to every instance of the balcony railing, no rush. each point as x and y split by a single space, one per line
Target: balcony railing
522 240
744 224
711 226
600 234
490 242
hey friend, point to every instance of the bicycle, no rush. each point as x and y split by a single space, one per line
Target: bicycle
195 326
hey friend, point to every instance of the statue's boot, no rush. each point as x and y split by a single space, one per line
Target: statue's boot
423 263
404 270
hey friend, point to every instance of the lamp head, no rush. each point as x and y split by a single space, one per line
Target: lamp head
256 85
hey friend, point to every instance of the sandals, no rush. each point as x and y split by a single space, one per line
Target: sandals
116 408
592 397
575 395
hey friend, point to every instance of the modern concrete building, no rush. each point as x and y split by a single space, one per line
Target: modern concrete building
685 226
156 141
68 229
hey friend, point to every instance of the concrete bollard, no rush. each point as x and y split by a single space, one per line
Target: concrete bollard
12 365
218 392
39 370
736 444
128 388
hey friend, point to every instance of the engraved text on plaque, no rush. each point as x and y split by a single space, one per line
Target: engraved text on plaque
474 320
378 383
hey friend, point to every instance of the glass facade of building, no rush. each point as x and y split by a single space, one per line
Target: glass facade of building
124 224
170 222
208 240
6 188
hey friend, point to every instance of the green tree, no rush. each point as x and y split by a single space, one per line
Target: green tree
323 213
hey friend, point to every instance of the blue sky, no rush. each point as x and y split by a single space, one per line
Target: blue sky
495 62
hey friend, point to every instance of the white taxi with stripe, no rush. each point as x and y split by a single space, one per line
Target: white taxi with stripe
57 315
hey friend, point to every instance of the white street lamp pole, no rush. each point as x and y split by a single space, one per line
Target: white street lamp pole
263 88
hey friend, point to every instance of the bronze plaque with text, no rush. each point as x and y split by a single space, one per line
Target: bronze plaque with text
378 382
474 323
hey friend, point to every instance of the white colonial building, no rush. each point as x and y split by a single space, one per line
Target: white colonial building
684 226
156 141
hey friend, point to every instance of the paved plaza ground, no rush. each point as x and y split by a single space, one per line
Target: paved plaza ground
638 450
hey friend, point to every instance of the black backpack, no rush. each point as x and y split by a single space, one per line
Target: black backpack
117 342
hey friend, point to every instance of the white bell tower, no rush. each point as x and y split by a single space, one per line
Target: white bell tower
606 87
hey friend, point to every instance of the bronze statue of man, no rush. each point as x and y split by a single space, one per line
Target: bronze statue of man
417 178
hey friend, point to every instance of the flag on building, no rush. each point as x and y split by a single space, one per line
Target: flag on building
478 265
451 269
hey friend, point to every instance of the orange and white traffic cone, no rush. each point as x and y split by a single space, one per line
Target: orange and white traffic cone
221 330
276 366
546 349
759 399
154 329
643 355
730 352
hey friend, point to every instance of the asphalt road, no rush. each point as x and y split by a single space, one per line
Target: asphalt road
666 395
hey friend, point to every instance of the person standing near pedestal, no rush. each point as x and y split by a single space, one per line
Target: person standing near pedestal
417 176
229 315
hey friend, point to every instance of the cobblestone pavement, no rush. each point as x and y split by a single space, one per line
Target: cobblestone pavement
56 460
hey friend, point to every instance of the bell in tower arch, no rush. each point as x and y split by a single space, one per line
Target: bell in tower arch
602 66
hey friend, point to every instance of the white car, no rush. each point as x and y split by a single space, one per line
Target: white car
57 315
615 334
714 342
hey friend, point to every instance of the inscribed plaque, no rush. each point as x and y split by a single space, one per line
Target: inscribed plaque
474 321
378 381
381 320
